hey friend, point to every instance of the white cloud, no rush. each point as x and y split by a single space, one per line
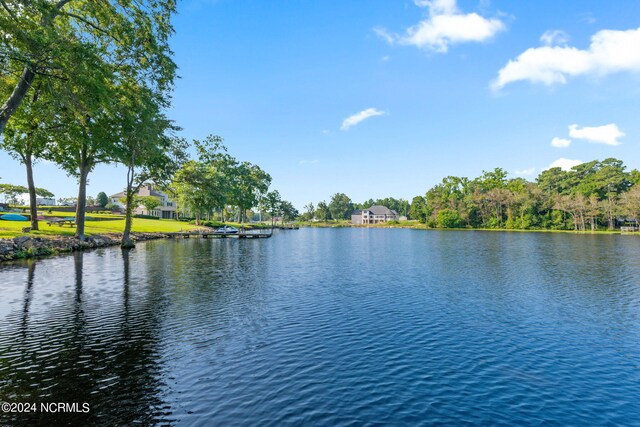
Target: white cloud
358 117
384 34
554 38
326 131
560 142
610 51
439 7
308 162
565 164
587 17
445 25
385 58
525 172
607 134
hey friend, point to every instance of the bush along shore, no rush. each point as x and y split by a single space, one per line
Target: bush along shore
31 247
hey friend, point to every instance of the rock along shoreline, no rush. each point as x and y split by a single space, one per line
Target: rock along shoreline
35 246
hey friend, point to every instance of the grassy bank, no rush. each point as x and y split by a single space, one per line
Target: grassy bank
105 223
97 224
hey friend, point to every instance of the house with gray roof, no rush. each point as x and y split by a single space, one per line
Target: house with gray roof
374 215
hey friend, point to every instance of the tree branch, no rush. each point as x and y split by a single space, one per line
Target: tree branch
62 3
4 4
89 23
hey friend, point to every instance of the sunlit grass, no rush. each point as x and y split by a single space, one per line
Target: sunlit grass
108 224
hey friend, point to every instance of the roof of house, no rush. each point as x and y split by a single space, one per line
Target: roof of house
144 191
147 191
376 210
381 210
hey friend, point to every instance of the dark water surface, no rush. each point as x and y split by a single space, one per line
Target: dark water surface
330 327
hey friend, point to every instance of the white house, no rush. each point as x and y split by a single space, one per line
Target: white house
166 209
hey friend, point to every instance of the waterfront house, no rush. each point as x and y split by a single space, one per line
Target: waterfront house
374 215
166 209
40 201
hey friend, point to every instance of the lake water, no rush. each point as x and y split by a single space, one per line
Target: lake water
330 327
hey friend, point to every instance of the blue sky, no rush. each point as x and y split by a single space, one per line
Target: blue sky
385 98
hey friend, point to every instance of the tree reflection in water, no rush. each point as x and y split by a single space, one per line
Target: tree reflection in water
79 351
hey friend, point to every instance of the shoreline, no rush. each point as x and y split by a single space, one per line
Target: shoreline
424 227
24 247
27 246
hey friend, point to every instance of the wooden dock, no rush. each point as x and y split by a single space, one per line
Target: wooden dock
216 235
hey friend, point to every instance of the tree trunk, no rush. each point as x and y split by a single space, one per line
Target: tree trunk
197 218
610 214
16 97
82 197
128 220
33 207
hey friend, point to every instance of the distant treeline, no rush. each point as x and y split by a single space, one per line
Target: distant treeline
590 196
341 207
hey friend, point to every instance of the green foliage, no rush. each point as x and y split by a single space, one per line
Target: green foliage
149 202
588 196
449 218
102 199
273 204
86 45
340 206
418 210
217 180
145 216
289 212
322 212
11 192
41 192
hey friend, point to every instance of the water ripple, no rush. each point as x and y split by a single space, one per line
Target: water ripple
330 327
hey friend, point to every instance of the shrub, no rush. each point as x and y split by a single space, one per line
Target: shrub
145 216
448 218
213 224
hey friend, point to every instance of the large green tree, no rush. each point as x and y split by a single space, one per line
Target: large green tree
47 40
145 145
90 47
418 210
340 206
25 139
102 199
248 182
289 212
273 204
322 212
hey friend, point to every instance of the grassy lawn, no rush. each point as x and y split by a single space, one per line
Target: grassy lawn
103 223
